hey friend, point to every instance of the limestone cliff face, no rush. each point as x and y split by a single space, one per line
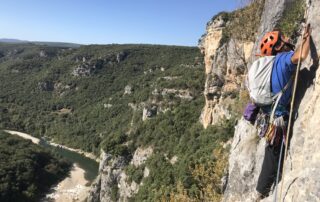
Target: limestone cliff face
225 64
110 171
301 173
112 183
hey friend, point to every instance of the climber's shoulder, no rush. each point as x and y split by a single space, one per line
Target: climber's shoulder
283 62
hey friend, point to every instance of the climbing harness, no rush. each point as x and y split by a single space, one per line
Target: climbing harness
262 124
267 124
274 128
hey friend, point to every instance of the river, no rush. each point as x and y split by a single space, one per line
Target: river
89 165
76 185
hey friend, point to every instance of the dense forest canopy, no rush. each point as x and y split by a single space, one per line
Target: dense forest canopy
94 98
26 169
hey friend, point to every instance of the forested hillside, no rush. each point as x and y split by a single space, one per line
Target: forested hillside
27 170
77 96
117 98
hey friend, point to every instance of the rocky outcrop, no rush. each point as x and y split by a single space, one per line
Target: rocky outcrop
169 78
43 54
149 112
58 87
62 89
112 183
110 171
14 52
174 160
179 93
84 69
225 66
107 105
245 160
121 56
128 90
209 43
300 181
141 155
46 86
87 64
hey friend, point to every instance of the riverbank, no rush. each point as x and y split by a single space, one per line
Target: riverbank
76 186
23 135
79 151
37 141
73 188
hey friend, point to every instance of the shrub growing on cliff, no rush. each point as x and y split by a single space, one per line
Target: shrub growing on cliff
208 179
115 145
193 147
243 23
134 173
292 17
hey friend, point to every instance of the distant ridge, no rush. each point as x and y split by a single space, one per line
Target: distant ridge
55 44
5 40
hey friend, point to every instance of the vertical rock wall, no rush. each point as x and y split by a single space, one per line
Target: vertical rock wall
301 174
225 64
247 150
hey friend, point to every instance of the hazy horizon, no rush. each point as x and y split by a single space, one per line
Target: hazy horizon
164 22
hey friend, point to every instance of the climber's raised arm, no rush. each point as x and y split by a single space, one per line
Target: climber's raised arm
305 45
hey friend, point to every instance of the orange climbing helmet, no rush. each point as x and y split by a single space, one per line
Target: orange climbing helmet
268 42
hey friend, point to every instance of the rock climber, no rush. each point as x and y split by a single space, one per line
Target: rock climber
286 59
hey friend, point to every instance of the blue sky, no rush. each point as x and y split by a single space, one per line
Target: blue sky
171 22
